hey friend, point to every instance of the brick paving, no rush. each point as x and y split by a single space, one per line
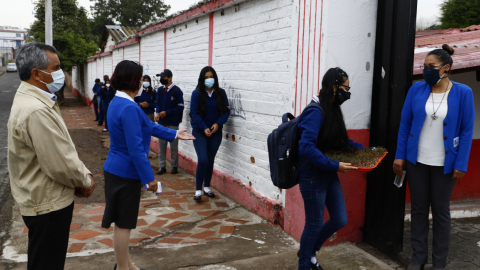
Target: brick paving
464 244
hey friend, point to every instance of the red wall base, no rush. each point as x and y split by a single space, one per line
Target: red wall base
87 101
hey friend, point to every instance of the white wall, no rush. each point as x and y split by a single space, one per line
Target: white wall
132 52
108 65
152 58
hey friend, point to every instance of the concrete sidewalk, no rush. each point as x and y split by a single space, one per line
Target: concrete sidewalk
175 232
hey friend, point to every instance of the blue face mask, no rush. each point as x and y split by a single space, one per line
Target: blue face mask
432 75
209 82
146 84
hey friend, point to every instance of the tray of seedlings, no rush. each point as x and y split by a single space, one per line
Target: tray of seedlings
364 159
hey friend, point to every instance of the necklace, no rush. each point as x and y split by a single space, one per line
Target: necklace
434 115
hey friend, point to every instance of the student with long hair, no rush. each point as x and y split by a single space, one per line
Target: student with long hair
322 131
434 142
106 93
146 100
127 166
209 112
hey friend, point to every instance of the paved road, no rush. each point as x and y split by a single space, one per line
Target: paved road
8 87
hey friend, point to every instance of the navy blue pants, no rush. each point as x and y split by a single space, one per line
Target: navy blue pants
95 108
103 114
318 192
206 148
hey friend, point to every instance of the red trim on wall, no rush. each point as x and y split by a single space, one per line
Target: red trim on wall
298 47
315 42
103 54
320 46
165 49
303 51
210 39
197 11
125 43
354 186
308 55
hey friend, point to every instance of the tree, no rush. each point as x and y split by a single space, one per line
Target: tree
72 36
126 13
459 13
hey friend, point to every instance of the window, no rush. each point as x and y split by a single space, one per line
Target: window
19 35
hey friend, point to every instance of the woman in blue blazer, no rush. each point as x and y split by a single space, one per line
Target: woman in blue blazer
127 166
209 111
147 98
434 142
323 131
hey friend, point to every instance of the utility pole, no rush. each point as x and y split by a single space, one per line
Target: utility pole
48 23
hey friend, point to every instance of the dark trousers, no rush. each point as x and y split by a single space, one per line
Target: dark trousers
318 192
103 114
48 239
95 108
430 187
206 148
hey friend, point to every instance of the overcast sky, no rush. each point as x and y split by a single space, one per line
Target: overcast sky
19 13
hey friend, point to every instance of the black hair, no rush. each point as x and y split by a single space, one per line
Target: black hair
111 88
97 80
333 133
127 76
150 88
444 55
202 93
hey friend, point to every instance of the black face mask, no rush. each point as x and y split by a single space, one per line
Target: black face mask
341 95
164 81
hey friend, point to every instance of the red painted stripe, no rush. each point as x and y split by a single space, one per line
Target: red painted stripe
210 40
125 43
314 42
165 49
320 46
308 55
298 47
303 50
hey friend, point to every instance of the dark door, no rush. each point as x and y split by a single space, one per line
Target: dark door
394 49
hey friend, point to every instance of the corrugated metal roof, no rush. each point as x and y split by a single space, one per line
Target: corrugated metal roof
466 43
120 33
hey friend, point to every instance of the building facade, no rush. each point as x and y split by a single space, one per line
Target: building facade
10 39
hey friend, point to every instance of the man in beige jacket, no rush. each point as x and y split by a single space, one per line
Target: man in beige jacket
45 171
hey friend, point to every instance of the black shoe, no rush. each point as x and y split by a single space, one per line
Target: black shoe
209 194
197 197
313 266
115 268
174 170
161 171
98 125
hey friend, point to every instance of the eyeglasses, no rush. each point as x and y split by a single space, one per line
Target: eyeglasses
422 67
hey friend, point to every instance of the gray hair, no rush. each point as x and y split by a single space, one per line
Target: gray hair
32 55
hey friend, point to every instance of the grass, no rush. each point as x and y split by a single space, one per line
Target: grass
361 158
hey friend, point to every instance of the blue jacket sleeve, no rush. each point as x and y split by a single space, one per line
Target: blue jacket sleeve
137 100
355 145
224 117
466 132
178 110
196 120
131 122
152 104
158 101
94 89
405 125
309 127
163 133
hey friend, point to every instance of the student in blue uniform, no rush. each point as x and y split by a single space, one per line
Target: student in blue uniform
107 93
101 113
169 114
321 132
127 166
95 90
209 112
146 100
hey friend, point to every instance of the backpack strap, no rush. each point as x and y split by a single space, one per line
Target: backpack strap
174 91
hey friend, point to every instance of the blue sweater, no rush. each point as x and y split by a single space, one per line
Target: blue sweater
316 163
212 115
106 95
96 88
130 135
457 126
148 98
172 105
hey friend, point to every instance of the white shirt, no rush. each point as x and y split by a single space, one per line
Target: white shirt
431 147
210 94
47 94
170 87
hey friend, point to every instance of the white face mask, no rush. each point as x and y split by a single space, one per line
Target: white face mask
107 85
146 84
58 81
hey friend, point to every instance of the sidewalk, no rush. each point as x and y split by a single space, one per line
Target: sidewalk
3 70
173 231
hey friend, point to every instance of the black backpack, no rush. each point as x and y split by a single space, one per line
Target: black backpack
174 91
283 150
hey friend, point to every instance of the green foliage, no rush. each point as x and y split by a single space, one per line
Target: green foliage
125 13
72 36
460 13
433 27
362 158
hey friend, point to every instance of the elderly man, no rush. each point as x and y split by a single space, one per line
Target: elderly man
45 171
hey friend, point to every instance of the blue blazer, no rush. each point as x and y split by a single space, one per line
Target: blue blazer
130 135
212 114
173 106
149 99
457 126
316 163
